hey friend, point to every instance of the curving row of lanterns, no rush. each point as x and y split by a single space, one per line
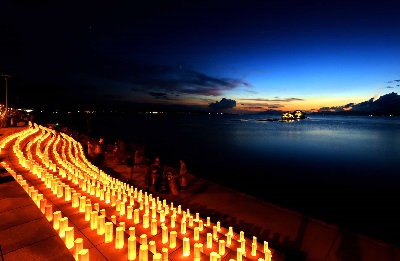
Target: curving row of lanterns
116 211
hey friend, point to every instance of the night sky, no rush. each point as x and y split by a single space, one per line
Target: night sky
235 56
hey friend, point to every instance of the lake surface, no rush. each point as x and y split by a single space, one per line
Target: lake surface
341 169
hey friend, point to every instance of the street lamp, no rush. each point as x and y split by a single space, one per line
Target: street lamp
6 76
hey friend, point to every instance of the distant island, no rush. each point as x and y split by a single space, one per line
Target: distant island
295 115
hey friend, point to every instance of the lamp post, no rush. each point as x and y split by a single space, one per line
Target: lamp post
6 76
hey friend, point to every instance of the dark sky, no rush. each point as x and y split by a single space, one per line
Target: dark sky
237 55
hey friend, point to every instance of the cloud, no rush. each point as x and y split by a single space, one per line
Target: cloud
277 99
110 75
346 107
253 107
389 87
159 95
143 77
385 104
275 106
393 81
223 104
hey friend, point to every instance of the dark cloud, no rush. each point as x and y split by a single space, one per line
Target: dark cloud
159 95
253 107
337 108
145 77
223 104
386 104
393 81
389 87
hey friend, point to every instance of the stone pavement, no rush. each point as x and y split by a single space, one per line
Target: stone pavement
25 233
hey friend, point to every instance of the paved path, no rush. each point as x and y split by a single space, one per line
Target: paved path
25 233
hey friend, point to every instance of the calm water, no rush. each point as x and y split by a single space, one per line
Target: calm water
340 169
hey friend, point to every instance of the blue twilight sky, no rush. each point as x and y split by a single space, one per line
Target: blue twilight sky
234 56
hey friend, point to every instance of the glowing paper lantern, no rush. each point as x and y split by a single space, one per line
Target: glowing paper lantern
186 246
69 237
196 235
93 220
239 254
209 240
183 227
243 246
221 247
265 246
162 216
143 253
172 239
201 227
63 226
49 212
154 226
83 255
43 204
101 225
190 221
157 257
253 249
78 247
152 246
214 256
82 204
119 238
164 251
67 196
38 199
164 234
129 211
56 219
75 200
131 248
215 233
113 219
88 211
143 239
136 216
108 236
268 255
132 231
145 220
228 239
197 251
172 221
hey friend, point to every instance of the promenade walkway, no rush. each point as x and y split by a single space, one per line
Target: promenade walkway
55 205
